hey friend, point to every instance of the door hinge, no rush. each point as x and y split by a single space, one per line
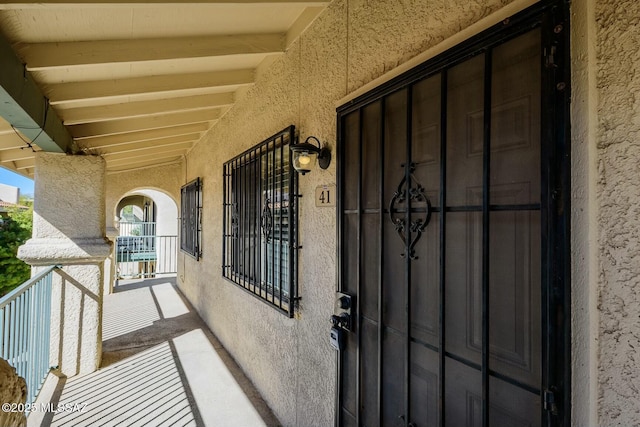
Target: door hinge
550 402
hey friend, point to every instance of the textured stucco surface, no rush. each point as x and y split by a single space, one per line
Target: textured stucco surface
13 389
68 211
68 230
62 181
76 314
350 44
385 34
167 179
584 248
618 134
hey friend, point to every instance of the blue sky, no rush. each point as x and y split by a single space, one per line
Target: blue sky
11 178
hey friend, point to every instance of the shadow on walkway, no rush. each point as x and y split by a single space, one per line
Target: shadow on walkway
161 366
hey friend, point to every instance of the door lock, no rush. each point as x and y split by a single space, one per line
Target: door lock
342 317
342 320
344 302
335 338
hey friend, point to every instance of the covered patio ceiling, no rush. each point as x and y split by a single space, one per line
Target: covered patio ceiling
137 82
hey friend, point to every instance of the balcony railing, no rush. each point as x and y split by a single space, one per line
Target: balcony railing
142 253
25 330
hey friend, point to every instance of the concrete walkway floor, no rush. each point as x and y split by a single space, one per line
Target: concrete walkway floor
161 366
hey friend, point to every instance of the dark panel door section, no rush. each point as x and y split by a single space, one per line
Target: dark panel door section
453 241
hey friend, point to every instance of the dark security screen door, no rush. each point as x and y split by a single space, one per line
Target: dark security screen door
452 238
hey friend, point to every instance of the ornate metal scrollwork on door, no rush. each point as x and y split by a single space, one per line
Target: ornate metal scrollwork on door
266 219
408 192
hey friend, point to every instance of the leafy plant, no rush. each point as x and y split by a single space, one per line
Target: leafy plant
15 229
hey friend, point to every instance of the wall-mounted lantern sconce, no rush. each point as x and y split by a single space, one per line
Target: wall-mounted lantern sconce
305 155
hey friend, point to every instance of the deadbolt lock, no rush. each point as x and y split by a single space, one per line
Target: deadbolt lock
342 317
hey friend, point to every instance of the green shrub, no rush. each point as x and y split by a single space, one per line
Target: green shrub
14 231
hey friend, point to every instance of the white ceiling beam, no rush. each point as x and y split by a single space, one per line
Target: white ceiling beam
24 164
74 116
143 160
145 123
304 20
144 135
141 150
16 154
130 146
5 127
44 56
150 153
114 89
11 140
115 169
30 4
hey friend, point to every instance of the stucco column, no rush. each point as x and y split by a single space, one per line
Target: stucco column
68 230
110 263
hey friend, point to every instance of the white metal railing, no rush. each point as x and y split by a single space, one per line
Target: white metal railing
142 253
25 330
146 256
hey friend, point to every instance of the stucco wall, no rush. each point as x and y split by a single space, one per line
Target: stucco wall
584 247
167 178
68 230
9 193
618 187
350 44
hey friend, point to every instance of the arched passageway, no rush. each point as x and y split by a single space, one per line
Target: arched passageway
147 241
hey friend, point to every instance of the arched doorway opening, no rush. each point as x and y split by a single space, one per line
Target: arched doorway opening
147 241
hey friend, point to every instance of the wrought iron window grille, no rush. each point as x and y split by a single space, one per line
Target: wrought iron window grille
191 218
260 222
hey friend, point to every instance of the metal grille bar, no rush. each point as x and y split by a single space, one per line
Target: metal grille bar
486 174
25 330
141 253
191 222
443 248
554 243
260 222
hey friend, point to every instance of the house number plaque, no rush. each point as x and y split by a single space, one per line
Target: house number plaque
325 195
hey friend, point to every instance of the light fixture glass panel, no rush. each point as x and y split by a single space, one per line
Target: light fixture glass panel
304 161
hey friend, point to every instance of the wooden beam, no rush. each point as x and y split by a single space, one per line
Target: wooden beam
23 105
145 148
145 123
150 153
74 116
44 56
5 127
16 154
119 169
29 4
24 164
136 145
301 24
142 160
122 89
11 140
144 135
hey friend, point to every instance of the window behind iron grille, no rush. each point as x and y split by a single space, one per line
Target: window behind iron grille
260 221
190 231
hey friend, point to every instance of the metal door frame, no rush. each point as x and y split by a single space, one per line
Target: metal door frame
553 17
